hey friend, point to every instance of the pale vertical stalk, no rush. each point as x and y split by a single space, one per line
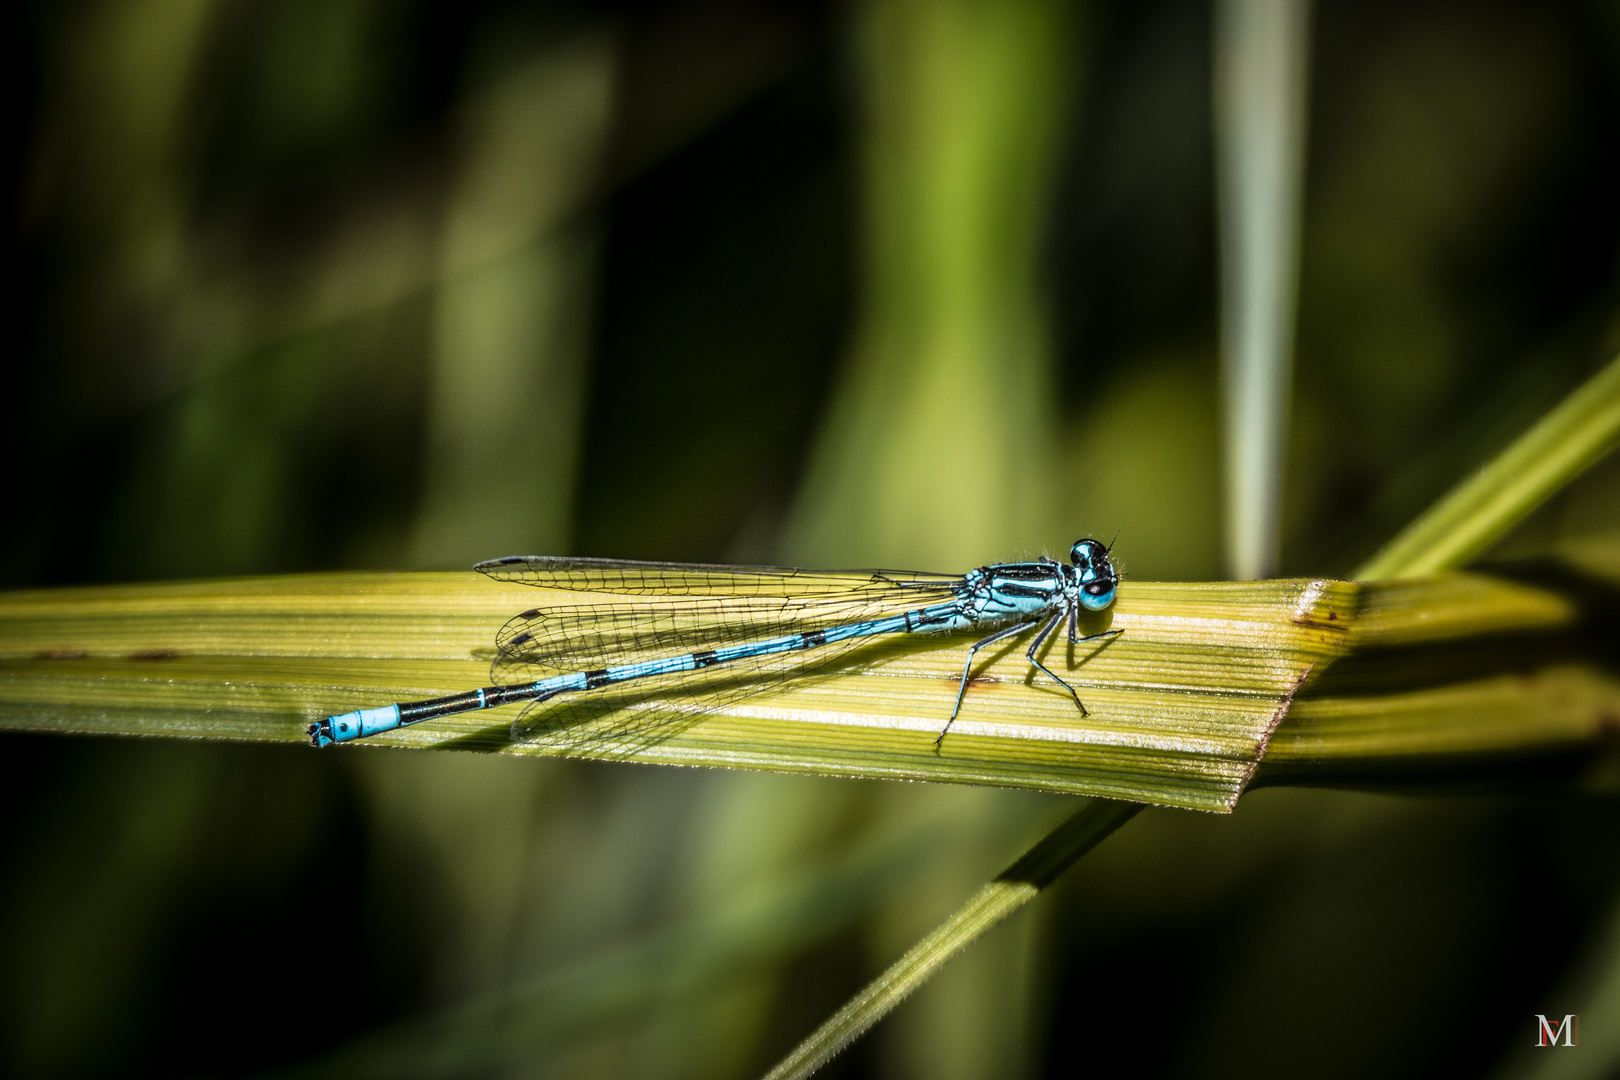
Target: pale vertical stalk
511 310
934 450
1261 50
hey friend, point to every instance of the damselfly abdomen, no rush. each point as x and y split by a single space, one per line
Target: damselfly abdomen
699 637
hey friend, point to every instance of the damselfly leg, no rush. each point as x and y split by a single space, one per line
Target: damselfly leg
1000 635
1032 654
1034 646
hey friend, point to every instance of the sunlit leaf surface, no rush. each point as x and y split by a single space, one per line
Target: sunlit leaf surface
1181 704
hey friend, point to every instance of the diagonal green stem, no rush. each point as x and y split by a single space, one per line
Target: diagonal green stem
1011 890
1584 427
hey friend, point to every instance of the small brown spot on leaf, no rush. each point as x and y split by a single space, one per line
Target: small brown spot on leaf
155 654
61 654
975 680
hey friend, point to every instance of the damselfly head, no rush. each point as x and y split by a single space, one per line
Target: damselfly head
1096 573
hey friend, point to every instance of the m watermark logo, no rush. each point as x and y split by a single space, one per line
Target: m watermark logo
1552 1032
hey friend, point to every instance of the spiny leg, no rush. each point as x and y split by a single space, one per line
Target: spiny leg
1034 646
1074 628
968 666
1094 637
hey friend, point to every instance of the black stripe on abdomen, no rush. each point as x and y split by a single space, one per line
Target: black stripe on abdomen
706 658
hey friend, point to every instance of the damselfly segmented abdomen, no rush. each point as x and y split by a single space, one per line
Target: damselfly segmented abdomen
696 638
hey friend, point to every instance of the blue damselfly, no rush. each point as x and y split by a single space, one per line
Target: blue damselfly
682 639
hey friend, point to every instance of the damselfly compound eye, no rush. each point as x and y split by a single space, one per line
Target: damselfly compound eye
1097 595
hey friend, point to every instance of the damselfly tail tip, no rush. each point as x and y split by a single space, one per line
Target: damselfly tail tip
320 733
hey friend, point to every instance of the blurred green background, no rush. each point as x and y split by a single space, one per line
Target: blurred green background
360 284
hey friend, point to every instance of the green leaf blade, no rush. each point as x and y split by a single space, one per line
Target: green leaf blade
1181 702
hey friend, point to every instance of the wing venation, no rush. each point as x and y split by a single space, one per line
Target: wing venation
698 579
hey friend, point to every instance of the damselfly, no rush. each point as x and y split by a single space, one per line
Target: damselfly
683 639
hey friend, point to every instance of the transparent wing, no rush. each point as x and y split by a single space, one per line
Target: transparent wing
620 720
544 642
679 608
697 579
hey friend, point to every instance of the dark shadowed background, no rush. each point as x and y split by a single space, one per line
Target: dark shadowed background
331 284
